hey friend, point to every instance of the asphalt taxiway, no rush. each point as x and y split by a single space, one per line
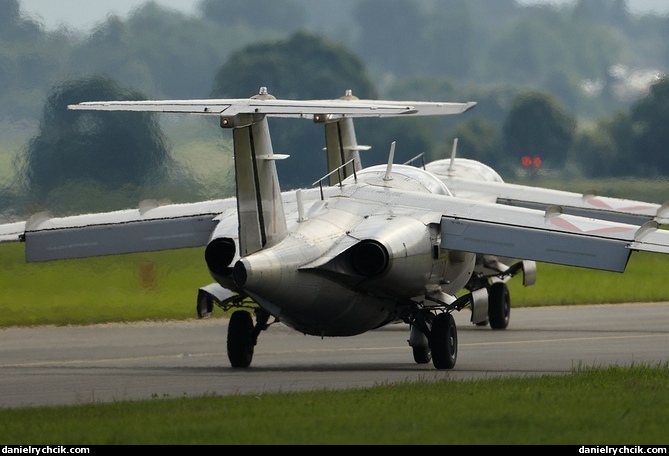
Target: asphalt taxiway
112 362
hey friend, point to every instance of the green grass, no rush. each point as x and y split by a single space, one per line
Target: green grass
135 287
595 406
606 406
643 281
163 286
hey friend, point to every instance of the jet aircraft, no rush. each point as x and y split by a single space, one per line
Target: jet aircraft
363 247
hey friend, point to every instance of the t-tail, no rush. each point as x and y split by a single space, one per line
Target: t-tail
342 146
262 222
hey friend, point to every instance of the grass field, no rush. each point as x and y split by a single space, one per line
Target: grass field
612 406
593 406
155 286
163 286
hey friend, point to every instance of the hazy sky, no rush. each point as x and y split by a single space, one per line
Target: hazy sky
84 14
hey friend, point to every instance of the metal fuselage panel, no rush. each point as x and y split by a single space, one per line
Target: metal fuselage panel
309 280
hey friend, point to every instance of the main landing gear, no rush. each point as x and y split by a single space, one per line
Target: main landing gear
444 341
499 305
434 337
243 336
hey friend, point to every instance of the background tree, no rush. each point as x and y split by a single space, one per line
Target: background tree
482 50
161 52
602 12
304 66
255 14
447 39
13 25
594 153
408 37
477 140
30 59
649 118
390 34
111 150
537 126
547 49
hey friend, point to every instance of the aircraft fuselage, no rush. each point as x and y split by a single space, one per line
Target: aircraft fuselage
352 264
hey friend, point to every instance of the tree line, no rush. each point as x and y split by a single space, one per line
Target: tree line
232 50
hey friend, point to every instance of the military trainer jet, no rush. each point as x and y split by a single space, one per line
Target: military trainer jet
362 248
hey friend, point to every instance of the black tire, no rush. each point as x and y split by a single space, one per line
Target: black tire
499 306
240 339
422 355
444 341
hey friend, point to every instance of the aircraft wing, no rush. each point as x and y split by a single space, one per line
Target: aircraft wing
549 236
586 204
150 227
12 232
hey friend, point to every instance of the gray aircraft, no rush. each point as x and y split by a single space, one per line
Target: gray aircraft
363 247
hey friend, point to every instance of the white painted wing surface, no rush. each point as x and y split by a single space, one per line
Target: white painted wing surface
586 204
12 232
281 108
551 237
148 228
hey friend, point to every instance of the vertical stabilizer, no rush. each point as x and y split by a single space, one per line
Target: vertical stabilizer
262 222
341 145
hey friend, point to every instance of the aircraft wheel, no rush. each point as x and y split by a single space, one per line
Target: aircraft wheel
499 305
483 323
240 340
444 341
422 355
421 352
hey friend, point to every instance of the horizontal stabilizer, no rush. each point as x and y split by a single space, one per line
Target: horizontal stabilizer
320 110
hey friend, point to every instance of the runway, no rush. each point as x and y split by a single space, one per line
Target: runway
113 362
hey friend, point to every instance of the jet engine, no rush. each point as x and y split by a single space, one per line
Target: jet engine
399 257
222 251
